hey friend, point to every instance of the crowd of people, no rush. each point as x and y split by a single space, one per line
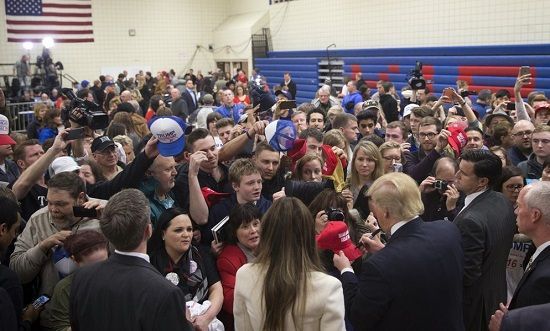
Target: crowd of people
215 202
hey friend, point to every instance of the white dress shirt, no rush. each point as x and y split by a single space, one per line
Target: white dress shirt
136 254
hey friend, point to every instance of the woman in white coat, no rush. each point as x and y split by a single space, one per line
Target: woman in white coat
296 295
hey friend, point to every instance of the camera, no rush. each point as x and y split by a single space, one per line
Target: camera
440 185
84 112
334 214
416 79
397 167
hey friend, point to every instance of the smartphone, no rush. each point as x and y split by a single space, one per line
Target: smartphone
77 133
287 104
79 211
448 93
511 106
524 70
40 301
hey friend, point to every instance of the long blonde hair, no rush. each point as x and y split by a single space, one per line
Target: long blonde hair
287 253
371 150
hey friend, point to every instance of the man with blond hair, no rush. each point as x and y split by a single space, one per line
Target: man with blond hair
418 271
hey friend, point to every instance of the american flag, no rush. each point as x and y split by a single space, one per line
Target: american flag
66 21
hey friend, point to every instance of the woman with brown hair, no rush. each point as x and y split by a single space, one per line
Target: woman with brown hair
51 123
241 95
297 295
309 168
125 119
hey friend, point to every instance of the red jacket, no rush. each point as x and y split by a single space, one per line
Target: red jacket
230 260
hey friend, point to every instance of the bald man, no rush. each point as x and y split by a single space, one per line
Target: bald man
521 148
179 106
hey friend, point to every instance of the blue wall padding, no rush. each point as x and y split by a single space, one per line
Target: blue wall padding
491 67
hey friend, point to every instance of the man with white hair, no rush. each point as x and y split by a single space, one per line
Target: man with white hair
125 96
179 106
377 298
324 100
533 220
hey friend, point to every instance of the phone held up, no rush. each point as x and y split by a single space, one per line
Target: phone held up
79 211
40 301
76 133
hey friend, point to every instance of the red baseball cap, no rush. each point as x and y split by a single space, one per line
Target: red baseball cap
335 236
542 106
458 138
212 197
297 152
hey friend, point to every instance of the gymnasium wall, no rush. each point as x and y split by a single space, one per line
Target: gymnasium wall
315 24
167 32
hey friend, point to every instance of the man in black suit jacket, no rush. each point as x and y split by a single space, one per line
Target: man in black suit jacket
288 82
486 223
178 106
533 218
126 292
415 281
190 96
523 319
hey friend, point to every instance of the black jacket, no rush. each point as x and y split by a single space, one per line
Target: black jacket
487 226
414 283
534 286
125 293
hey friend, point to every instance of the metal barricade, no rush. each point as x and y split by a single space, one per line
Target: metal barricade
20 115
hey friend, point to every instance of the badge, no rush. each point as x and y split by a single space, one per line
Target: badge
192 267
173 278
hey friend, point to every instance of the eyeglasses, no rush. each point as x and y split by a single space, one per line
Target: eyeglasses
540 141
392 158
513 187
429 135
522 133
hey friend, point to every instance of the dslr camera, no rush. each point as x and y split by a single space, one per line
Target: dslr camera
416 79
440 185
84 112
334 214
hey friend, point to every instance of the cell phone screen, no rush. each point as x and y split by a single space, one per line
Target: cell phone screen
524 70
40 301
511 106
79 211
77 133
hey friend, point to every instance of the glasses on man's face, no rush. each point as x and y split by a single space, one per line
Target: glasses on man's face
523 133
429 135
514 187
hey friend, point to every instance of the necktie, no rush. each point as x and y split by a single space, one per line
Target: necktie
529 265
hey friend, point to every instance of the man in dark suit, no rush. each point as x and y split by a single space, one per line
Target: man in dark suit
288 82
190 96
533 218
486 223
126 292
523 319
415 281
178 106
